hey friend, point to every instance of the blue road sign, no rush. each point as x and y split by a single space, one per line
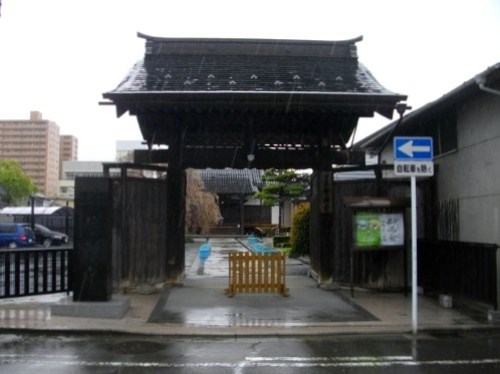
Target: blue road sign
414 148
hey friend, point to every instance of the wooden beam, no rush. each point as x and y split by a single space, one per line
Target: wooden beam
176 203
200 158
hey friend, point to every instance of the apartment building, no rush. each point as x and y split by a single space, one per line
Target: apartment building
68 151
34 143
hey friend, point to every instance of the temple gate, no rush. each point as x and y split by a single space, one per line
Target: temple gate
250 103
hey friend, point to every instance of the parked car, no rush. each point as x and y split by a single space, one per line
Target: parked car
15 235
48 237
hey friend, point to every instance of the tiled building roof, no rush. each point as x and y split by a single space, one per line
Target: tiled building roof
232 181
235 65
278 100
487 80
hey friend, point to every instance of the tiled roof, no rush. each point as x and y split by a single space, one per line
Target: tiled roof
468 89
250 95
248 65
232 181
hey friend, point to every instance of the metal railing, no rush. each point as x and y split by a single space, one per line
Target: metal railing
256 273
462 269
33 271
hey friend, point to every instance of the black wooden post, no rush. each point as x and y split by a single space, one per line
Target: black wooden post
124 242
322 224
92 275
321 228
176 205
32 215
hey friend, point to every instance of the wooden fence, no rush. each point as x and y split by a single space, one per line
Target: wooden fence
462 269
381 270
34 271
256 273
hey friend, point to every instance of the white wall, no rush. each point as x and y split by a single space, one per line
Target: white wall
472 174
254 202
275 212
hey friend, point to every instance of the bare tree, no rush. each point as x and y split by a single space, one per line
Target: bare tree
202 210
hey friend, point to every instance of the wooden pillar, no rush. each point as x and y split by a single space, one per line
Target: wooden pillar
322 225
176 206
92 268
321 228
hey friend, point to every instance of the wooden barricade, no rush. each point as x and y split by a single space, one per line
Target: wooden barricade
256 273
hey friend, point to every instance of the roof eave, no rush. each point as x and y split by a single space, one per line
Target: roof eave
383 103
462 92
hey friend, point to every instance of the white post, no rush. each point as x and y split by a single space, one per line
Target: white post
414 284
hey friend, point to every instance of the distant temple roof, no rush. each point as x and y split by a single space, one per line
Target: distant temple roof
232 181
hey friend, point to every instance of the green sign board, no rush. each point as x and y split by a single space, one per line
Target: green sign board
372 229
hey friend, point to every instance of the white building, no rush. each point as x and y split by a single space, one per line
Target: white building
465 127
125 149
73 169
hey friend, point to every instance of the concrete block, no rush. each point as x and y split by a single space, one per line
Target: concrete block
115 308
494 317
446 301
147 289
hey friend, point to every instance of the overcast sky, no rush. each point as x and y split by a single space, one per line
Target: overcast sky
59 56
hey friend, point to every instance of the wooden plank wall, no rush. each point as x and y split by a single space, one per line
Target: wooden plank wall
448 220
139 232
383 269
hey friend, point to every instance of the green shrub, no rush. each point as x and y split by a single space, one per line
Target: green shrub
299 235
285 250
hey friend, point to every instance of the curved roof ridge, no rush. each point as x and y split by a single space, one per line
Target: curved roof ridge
247 40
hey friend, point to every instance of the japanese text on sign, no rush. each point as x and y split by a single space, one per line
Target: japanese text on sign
414 168
378 229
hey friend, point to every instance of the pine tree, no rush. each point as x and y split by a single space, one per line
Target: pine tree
280 186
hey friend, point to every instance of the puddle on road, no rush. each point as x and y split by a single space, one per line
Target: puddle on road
19 317
136 347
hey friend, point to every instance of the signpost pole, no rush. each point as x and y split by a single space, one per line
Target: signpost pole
413 157
414 285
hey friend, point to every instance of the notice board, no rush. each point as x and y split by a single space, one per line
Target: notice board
374 229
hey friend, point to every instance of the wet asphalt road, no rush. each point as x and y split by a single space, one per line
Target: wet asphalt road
472 352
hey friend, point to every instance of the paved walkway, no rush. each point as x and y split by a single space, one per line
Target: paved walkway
199 307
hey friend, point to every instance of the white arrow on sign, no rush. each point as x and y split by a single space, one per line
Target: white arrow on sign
408 148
